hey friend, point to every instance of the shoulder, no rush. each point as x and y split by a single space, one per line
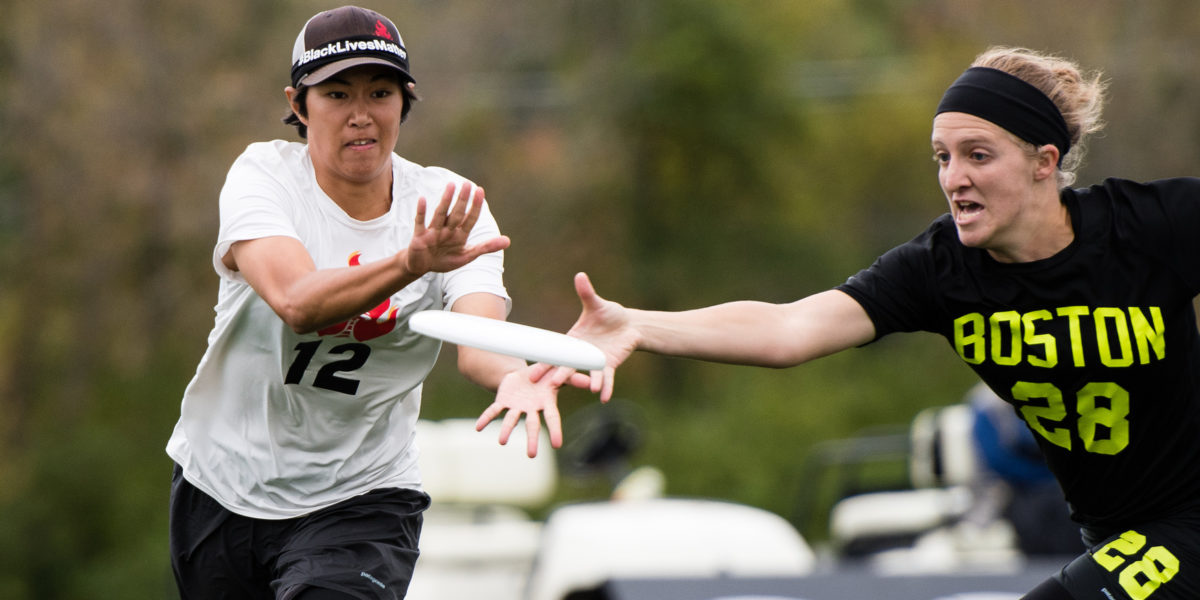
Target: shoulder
277 159
939 239
274 151
425 180
268 174
1125 192
1133 203
919 257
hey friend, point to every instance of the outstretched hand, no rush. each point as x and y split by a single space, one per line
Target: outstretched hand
441 245
534 389
520 395
608 326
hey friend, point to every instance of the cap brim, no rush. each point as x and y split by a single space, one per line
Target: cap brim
338 66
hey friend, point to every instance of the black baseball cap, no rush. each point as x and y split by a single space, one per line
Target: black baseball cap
346 37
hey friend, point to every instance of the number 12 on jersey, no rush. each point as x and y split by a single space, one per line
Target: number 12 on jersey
354 356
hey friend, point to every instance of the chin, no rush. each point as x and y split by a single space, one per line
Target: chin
971 239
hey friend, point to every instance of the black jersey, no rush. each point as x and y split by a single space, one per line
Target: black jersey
1096 347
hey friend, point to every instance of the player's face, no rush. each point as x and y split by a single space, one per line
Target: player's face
988 177
353 123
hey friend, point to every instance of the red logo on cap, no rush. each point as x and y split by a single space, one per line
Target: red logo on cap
381 30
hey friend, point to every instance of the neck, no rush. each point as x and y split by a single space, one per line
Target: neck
1049 233
361 201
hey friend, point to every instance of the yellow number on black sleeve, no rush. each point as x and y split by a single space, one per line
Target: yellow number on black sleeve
1114 553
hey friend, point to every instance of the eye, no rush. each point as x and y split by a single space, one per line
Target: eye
336 95
382 93
941 157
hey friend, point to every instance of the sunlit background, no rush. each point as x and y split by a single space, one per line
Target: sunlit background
682 152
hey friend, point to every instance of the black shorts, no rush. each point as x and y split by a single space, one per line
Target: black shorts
365 547
1159 560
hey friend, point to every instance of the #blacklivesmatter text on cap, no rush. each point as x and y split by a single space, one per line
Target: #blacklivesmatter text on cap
345 37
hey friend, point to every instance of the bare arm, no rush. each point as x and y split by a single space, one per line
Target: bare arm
757 333
306 298
485 369
517 395
283 273
744 332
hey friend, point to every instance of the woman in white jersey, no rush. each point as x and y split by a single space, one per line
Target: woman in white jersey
296 471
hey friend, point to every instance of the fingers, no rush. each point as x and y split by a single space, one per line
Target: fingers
560 376
455 216
596 381
606 388
511 418
476 208
495 244
442 211
579 380
464 211
533 428
538 371
488 415
419 224
584 288
553 425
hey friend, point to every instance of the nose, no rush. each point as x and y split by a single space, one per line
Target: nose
953 176
359 115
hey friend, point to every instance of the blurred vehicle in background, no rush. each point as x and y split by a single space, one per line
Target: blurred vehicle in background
968 512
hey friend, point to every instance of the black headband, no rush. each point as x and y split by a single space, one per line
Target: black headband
1011 103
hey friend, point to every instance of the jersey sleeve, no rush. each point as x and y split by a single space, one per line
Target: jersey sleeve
253 203
484 274
1165 216
896 291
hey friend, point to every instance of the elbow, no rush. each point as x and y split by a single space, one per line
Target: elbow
783 357
302 328
300 321
781 362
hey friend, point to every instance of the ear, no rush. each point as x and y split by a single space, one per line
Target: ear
1046 162
293 98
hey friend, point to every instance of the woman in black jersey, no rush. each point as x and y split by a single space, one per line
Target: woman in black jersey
1074 305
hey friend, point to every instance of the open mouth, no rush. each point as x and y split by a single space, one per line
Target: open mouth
360 143
967 208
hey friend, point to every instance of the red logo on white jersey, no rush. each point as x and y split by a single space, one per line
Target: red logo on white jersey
378 321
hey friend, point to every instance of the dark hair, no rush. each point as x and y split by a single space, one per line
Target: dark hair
409 91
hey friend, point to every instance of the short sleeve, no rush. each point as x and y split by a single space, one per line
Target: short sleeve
897 290
484 274
1163 216
253 202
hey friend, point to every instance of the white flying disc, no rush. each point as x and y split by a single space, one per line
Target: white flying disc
513 339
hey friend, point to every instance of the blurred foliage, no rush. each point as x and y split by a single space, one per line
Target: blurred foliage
683 152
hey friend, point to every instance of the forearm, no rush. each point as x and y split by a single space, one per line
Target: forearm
735 332
325 296
486 369
757 333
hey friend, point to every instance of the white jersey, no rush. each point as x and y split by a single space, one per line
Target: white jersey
277 424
